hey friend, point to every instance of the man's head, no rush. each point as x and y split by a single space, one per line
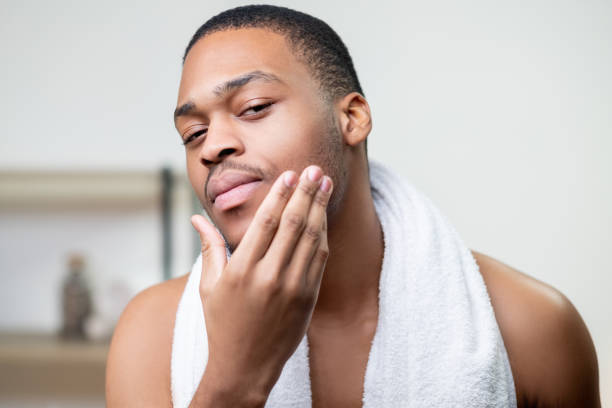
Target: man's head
266 89
311 40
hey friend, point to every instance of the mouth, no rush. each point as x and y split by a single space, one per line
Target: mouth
231 189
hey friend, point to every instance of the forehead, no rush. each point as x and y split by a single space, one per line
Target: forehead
224 55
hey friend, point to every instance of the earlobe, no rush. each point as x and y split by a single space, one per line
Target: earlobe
355 118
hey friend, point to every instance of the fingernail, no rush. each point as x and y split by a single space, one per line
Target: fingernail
290 179
314 173
326 184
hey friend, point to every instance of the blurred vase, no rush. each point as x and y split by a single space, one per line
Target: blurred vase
76 300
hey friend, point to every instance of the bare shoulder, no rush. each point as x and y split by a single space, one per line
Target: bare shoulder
551 353
138 367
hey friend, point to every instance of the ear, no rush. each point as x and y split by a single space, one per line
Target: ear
355 118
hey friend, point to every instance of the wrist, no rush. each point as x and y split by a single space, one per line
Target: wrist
211 396
219 388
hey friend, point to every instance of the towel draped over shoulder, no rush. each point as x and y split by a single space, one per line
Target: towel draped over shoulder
437 343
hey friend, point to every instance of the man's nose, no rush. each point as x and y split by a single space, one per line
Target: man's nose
222 140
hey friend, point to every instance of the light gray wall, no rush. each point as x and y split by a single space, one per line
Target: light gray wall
500 111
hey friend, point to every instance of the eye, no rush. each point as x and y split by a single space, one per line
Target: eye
194 136
256 109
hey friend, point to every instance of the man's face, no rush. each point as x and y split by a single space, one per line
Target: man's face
248 110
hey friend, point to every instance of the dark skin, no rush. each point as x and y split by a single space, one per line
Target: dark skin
551 354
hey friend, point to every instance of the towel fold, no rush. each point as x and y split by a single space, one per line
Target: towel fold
437 343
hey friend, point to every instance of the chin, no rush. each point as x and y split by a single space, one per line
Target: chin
234 226
232 242
233 223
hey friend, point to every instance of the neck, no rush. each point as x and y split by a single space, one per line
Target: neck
349 288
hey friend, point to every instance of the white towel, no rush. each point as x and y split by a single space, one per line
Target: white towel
437 343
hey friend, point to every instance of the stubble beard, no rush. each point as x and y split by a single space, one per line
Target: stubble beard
329 156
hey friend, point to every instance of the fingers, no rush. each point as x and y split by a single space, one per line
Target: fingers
213 252
260 232
311 249
295 216
319 259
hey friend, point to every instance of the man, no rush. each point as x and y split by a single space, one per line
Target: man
275 123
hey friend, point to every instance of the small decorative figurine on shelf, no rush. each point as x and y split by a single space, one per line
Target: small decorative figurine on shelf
76 300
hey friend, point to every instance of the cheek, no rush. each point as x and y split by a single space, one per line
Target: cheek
291 138
197 176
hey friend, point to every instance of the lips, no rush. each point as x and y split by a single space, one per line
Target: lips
231 189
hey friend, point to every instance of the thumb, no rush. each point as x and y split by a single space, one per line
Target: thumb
213 252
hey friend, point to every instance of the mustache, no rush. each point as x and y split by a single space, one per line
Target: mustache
233 165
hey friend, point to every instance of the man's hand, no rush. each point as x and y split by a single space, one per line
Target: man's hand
258 306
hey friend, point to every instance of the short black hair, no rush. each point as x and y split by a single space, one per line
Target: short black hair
311 39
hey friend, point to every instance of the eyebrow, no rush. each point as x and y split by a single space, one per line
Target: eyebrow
229 86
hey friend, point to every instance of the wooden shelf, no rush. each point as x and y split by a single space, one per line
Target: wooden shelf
33 347
36 189
43 365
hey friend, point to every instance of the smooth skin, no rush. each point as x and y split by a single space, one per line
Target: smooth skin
302 269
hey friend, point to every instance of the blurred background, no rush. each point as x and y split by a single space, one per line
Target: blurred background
500 112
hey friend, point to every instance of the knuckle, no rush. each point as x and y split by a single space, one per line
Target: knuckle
296 292
210 246
294 221
313 232
308 188
232 280
269 222
207 248
268 284
321 199
322 253
283 193
292 290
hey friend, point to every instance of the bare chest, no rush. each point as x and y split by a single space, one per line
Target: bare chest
338 360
